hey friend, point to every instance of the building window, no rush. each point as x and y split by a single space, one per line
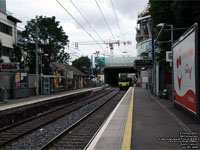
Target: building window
5 29
6 51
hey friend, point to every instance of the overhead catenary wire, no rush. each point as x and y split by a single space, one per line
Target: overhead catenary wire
75 50
79 24
86 20
117 22
120 31
105 19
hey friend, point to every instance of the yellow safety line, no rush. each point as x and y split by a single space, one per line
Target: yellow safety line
126 145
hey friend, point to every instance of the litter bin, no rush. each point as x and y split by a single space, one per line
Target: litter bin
163 94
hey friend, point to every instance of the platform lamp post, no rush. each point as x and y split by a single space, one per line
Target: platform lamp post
36 60
172 39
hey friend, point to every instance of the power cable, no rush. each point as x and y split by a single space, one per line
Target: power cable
116 18
86 20
120 31
79 24
105 19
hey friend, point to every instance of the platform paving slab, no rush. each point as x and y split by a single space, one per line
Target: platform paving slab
153 127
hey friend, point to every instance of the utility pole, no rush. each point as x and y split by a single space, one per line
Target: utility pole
36 60
172 39
153 61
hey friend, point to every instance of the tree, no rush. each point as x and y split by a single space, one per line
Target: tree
16 55
51 40
179 13
83 64
63 57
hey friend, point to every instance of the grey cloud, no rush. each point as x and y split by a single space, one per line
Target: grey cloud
130 8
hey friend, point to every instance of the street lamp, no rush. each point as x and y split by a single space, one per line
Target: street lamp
36 59
171 28
172 38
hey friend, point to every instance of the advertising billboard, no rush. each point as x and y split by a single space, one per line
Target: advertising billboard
185 70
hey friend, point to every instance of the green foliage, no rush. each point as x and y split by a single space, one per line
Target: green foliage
16 55
51 39
179 13
63 57
83 64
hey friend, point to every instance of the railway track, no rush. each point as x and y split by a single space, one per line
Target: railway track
80 133
11 134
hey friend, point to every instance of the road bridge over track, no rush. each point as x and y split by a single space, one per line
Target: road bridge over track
115 65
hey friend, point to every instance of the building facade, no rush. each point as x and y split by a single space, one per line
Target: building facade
144 49
144 45
144 34
8 31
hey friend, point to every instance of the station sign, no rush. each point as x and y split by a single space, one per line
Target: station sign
14 66
143 63
100 60
169 56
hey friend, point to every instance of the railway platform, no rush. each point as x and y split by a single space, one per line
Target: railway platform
14 103
23 108
142 121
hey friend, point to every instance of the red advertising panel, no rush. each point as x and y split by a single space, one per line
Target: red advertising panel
14 66
185 71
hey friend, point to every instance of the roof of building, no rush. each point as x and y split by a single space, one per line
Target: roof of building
66 68
13 19
145 12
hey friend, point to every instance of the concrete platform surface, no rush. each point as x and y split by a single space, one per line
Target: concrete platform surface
156 125
112 132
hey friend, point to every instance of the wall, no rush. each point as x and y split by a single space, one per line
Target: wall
7 40
3 6
6 82
145 79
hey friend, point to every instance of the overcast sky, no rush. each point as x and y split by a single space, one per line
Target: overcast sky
126 12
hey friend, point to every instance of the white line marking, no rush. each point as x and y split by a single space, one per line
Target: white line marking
101 131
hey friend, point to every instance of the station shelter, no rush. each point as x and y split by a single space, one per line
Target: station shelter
74 78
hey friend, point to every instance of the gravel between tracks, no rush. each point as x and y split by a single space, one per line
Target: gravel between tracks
42 136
